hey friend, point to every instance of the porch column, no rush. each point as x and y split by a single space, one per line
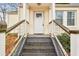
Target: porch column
53 17
24 11
27 17
24 18
19 18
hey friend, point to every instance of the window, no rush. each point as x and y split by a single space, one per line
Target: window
70 18
59 16
38 15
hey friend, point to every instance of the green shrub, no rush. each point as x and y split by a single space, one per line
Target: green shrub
65 41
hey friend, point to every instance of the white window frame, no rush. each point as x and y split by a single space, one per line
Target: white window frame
62 14
65 17
74 19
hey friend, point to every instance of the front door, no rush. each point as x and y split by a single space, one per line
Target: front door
38 22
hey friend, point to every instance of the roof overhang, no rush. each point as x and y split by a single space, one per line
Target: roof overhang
67 5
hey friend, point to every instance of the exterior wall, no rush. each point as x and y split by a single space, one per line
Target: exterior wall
21 15
11 20
46 22
77 16
14 18
74 44
31 22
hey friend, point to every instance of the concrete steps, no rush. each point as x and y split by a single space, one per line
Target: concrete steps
39 35
38 45
38 54
39 51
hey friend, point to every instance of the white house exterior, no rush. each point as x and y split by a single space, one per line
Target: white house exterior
40 17
32 12
45 12
65 9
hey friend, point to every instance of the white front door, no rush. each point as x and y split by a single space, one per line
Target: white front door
38 22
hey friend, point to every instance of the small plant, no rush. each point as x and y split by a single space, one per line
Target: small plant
65 41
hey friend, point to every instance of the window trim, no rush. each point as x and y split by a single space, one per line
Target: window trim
74 19
65 11
62 14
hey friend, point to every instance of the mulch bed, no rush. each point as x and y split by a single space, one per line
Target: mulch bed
10 42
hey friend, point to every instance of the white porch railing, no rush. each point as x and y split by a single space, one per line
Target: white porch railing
58 46
22 34
20 29
74 38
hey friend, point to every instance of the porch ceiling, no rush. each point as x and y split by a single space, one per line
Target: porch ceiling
41 6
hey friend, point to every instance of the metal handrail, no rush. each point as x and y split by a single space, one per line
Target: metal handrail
3 26
14 26
62 26
50 22
69 31
27 22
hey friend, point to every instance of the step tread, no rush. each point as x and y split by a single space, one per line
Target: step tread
34 40
38 50
38 36
38 54
39 43
38 47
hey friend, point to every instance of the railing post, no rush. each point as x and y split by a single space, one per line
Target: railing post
53 17
54 28
74 37
22 27
24 17
20 13
3 28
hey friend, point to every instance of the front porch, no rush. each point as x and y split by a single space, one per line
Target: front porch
38 15
37 19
